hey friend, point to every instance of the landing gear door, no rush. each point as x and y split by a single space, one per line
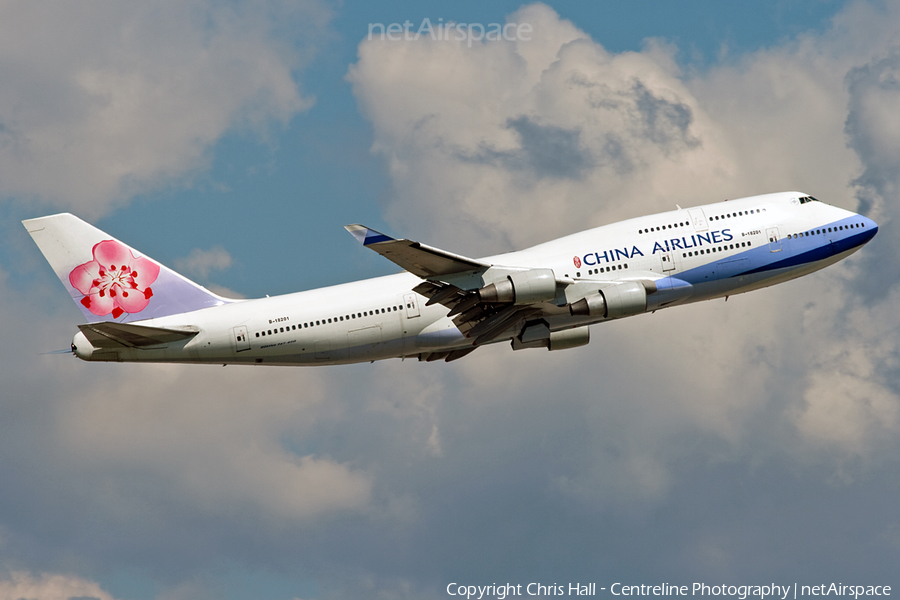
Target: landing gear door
774 241
241 340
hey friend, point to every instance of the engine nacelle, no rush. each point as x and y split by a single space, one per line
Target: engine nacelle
522 287
538 335
569 338
620 300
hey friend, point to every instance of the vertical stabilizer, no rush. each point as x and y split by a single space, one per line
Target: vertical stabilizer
109 280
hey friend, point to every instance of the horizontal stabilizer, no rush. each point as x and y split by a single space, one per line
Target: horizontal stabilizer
116 335
419 259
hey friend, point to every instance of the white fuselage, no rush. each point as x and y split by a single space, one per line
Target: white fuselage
691 254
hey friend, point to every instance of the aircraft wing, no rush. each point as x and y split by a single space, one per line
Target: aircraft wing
479 320
115 335
419 259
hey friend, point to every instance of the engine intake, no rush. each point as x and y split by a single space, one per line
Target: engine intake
620 300
522 287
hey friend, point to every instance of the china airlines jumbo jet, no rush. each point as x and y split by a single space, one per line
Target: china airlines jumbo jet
445 305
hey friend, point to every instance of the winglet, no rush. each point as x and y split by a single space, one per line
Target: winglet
365 235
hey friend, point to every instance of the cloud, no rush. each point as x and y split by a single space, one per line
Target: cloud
104 101
222 454
557 117
49 586
200 263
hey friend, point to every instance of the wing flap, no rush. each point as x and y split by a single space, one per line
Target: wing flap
117 335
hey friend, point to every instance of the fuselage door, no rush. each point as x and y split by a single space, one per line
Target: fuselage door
668 263
241 339
412 307
698 219
774 241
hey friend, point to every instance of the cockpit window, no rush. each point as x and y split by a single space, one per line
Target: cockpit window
805 199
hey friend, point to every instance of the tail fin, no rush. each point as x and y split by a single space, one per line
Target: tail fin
109 280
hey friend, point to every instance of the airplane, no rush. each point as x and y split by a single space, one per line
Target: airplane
445 305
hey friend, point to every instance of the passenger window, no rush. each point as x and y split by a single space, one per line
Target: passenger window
257 334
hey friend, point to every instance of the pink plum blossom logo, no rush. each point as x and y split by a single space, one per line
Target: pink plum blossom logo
116 281
577 262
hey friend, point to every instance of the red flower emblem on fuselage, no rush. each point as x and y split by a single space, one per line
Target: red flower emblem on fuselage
116 281
577 262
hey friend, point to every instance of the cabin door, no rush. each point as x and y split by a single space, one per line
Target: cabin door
668 263
241 339
774 242
412 307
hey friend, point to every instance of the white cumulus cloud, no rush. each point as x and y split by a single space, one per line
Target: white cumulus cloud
104 100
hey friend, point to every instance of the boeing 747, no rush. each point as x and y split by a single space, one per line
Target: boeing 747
445 305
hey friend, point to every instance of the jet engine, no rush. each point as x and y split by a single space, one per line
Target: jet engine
521 287
569 338
538 335
620 300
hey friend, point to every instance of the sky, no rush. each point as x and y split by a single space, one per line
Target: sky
743 442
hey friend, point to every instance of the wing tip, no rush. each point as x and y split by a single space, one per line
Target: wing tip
366 235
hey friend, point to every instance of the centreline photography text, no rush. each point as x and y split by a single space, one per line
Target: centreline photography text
741 592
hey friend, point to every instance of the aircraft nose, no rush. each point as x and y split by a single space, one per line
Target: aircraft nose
871 228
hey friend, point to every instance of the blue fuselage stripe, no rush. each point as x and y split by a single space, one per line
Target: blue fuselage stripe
795 252
820 252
